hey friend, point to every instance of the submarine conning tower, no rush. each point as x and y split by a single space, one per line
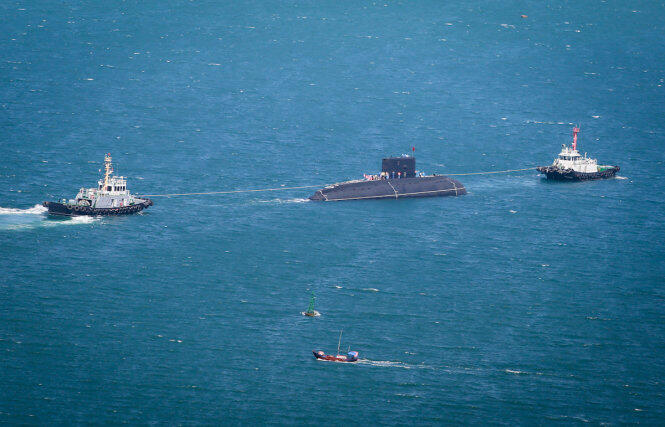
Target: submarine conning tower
404 166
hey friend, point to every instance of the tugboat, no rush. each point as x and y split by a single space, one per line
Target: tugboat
397 179
351 356
111 197
571 166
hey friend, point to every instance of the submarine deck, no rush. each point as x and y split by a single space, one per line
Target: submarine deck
429 186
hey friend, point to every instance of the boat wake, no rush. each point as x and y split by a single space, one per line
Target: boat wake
518 372
620 177
29 219
549 122
35 210
80 220
296 200
388 364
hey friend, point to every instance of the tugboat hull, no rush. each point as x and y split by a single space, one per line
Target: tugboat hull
558 174
428 186
55 208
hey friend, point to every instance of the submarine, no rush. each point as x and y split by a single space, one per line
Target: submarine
398 179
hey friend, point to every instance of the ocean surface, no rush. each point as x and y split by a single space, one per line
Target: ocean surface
523 302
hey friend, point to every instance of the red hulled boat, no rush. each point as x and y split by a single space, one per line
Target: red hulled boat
351 356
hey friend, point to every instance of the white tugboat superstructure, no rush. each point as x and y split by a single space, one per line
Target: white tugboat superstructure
111 197
570 165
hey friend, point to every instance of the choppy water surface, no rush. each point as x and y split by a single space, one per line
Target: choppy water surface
523 301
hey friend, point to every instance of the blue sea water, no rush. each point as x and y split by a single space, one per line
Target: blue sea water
524 301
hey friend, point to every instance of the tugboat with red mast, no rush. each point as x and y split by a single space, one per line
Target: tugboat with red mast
571 166
350 356
111 197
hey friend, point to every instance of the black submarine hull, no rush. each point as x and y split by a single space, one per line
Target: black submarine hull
55 208
557 174
428 186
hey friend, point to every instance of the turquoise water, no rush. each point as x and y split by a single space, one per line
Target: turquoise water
522 302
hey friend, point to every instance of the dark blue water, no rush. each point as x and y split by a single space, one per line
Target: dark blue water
523 301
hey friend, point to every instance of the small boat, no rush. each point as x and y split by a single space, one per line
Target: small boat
350 356
310 310
571 166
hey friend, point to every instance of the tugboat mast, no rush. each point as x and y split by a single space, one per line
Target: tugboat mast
575 132
108 170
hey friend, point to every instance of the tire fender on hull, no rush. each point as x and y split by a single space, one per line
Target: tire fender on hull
56 208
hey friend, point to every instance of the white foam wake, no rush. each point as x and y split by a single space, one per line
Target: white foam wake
81 220
388 364
297 200
35 210
77 220
18 221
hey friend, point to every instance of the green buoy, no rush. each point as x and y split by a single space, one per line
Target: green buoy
310 310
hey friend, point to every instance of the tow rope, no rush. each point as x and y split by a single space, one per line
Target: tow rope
312 186
231 191
486 173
